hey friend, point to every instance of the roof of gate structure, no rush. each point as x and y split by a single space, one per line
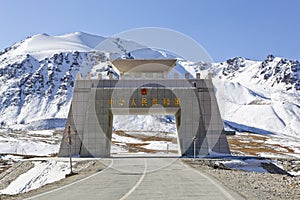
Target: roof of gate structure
144 65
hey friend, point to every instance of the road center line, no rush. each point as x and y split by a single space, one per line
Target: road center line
137 184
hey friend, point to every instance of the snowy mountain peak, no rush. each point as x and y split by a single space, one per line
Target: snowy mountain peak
43 46
280 71
273 72
39 35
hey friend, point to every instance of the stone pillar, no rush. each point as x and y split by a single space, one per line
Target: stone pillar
99 76
176 75
78 76
88 76
209 76
187 76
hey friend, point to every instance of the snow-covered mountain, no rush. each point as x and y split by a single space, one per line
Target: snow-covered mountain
258 96
37 74
37 77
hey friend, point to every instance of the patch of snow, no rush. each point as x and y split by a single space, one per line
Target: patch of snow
124 139
41 174
142 123
41 132
249 165
161 145
39 143
11 157
294 173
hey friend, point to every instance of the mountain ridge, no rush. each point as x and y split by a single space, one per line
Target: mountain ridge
37 79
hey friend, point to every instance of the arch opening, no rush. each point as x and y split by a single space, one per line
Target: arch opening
151 135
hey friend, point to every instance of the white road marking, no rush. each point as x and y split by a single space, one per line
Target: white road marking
137 184
45 193
227 194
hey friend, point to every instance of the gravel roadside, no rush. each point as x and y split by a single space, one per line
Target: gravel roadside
252 185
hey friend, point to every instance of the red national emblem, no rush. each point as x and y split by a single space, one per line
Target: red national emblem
144 91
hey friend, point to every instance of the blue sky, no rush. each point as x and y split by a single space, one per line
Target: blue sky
225 28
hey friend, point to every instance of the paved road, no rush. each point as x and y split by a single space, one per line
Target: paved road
144 178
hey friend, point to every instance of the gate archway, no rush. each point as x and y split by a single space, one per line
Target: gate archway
191 101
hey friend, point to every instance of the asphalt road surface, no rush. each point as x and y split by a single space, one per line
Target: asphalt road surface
143 178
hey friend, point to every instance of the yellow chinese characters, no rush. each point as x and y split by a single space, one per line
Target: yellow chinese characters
133 103
177 102
144 102
166 102
155 102
110 102
122 102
